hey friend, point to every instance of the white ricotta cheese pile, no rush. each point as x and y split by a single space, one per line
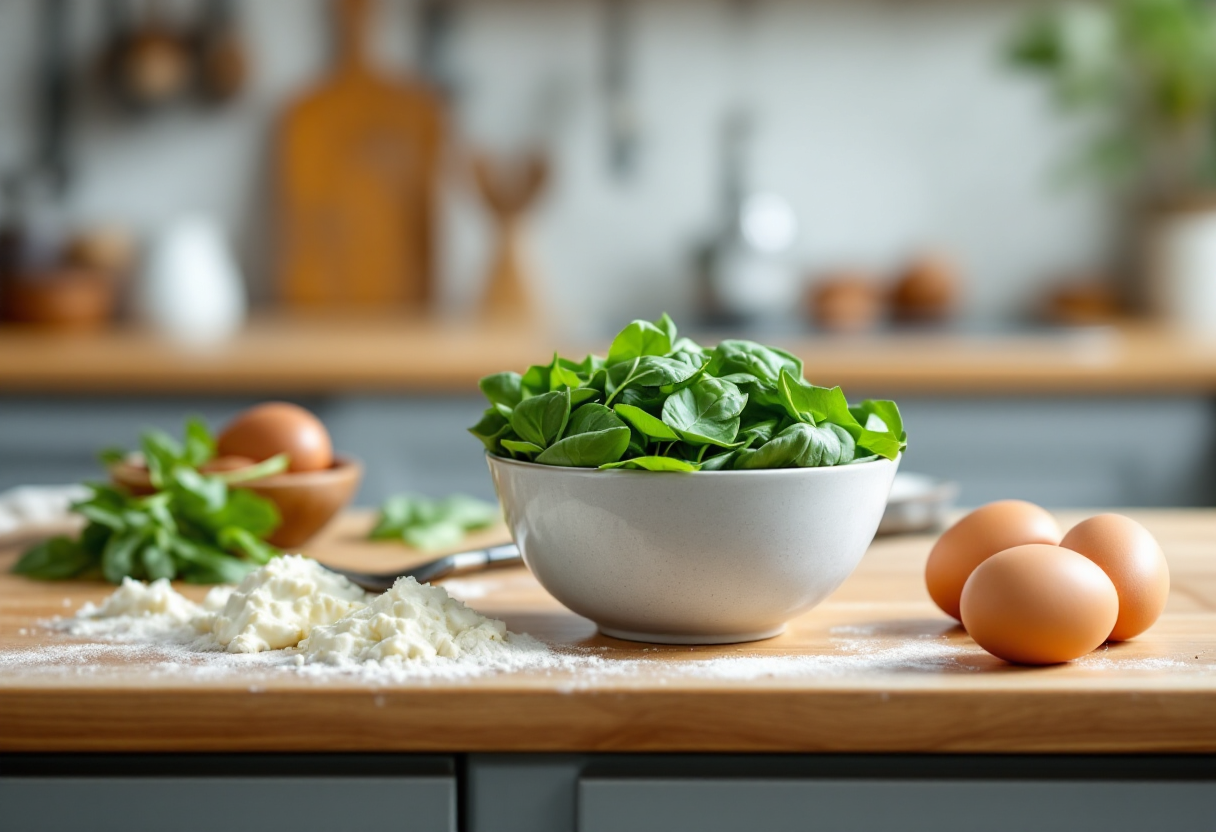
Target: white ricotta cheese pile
410 622
136 599
278 605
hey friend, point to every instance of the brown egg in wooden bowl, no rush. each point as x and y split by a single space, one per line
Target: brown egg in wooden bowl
315 487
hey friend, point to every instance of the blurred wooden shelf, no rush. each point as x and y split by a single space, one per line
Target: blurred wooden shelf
281 354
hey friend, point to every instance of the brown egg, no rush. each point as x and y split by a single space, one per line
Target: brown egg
1135 564
978 536
1039 604
278 428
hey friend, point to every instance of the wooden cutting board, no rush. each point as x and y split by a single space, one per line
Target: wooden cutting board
358 162
886 672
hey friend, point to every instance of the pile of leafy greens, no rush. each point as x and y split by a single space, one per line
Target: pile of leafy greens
433 524
663 403
195 526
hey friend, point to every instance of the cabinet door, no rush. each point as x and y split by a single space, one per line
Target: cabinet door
247 804
774 805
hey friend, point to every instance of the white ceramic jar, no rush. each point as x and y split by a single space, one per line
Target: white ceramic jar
699 558
190 287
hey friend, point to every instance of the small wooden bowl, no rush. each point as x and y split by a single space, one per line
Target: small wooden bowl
306 500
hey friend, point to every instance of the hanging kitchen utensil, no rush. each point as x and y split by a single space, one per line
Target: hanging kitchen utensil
509 191
220 55
619 105
154 67
358 167
54 112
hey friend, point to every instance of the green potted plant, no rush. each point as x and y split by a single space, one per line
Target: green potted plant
1141 74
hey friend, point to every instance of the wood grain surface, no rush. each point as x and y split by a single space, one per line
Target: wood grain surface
364 351
876 688
358 162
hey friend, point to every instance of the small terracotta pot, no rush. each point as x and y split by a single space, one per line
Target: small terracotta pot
307 500
69 298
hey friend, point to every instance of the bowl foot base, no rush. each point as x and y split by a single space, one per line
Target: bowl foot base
684 638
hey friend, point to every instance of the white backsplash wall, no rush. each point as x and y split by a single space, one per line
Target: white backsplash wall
889 126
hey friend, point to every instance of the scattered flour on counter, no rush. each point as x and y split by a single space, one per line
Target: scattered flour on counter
278 605
409 623
136 611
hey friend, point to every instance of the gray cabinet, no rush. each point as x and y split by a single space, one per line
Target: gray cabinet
231 794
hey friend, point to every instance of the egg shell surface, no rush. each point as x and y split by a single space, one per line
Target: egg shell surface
981 534
1039 604
1132 559
278 428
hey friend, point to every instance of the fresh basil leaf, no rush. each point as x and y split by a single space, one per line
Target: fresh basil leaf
200 494
102 516
592 417
645 423
118 559
503 388
541 419
886 410
432 524
235 539
638 339
654 463
707 412
204 564
157 563
587 450
200 445
248 512
161 454
56 559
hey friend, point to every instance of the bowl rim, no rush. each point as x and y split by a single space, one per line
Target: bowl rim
823 470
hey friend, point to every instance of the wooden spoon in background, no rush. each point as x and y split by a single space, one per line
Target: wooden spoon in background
509 190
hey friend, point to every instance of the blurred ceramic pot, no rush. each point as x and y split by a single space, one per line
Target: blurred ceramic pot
190 287
1182 263
67 297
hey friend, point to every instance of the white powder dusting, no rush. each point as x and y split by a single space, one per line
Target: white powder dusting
419 634
411 622
278 605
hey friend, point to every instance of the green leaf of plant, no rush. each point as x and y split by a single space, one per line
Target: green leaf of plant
503 388
515 446
654 463
587 450
638 339
118 559
541 419
157 563
582 395
277 464
247 511
706 412
56 559
720 462
765 363
800 445
492 427
200 445
592 417
645 423
235 539
668 326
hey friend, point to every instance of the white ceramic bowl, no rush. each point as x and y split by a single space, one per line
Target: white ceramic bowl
700 558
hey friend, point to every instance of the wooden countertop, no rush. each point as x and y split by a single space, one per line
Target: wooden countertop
876 668
334 354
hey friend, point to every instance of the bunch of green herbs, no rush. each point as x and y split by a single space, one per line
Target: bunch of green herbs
433 524
659 402
195 527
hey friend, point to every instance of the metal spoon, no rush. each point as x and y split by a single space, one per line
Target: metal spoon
459 563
